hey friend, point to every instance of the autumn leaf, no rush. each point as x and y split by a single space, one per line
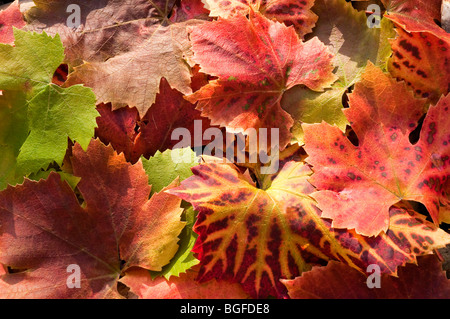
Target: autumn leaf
416 15
421 50
290 12
244 234
184 260
132 230
118 128
189 9
9 18
169 113
116 37
184 287
136 136
426 280
256 236
249 87
344 30
358 184
105 25
422 60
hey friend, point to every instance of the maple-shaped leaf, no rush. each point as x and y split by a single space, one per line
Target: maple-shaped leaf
9 18
38 116
344 30
136 136
169 113
358 184
255 236
46 234
256 60
184 287
290 12
426 280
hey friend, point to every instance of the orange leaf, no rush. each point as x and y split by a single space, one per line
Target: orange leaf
44 230
358 184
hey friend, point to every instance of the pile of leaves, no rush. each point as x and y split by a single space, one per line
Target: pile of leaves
87 175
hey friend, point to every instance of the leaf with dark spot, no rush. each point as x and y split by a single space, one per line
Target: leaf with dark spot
256 237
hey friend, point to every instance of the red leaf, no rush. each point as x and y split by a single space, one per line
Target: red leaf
416 15
256 60
43 228
9 18
118 128
183 287
358 184
422 60
338 281
255 237
136 137
290 12
422 50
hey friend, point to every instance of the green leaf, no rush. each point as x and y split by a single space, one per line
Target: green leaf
30 64
163 168
307 106
69 178
36 116
184 258
54 115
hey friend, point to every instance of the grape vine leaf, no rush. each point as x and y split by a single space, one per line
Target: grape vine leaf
39 116
118 128
69 112
416 15
358 184
105 26
422 60
290 12
426 280
132 230
184 287
255 236
189 9
163 168
184 259
422 49
136 136
256 60
169 113
9 18
344 30
116 37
